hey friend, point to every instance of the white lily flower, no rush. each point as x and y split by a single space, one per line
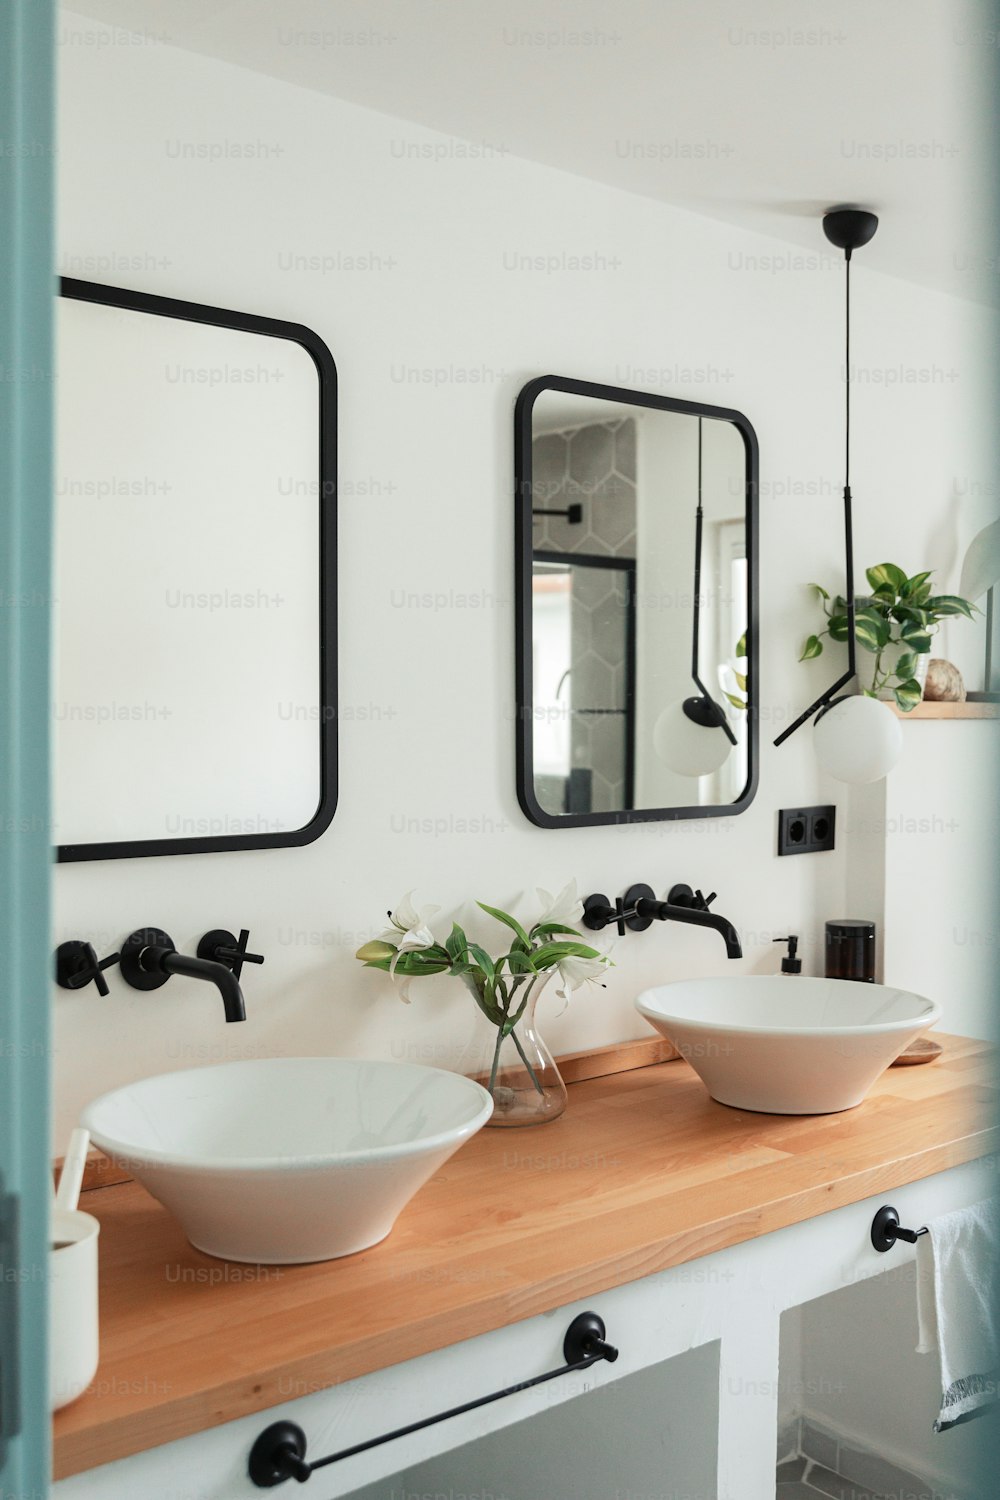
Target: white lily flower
566 908
409 931
576 972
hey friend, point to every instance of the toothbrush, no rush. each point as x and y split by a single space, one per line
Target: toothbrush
71 1178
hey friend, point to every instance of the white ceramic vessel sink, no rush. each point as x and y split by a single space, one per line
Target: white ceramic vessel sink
286 1160
785 1045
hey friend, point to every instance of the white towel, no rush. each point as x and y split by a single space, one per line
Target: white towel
957 1266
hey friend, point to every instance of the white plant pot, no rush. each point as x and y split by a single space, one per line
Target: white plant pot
890 657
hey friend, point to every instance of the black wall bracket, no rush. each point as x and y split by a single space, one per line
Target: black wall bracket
134 947
886 1230
280 1451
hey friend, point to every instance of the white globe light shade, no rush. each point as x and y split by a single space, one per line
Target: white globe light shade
858 740
688 748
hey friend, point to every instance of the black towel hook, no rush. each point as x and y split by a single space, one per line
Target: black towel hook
886 1230
280 1451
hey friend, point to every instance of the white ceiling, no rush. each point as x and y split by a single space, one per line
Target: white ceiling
761 115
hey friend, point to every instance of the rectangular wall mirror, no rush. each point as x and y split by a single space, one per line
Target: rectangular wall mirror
636 606
195 578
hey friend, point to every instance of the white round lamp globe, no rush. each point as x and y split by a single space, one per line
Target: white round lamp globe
858 740
684 746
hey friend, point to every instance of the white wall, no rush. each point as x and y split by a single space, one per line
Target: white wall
442 275
942 830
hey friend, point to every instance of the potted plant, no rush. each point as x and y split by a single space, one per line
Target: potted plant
521 1073
895 623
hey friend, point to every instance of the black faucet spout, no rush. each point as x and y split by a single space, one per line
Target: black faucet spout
695 916
169 961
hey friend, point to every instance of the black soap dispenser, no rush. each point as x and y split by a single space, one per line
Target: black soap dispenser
791 963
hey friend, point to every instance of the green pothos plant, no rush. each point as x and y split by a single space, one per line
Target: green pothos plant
503 985
895 623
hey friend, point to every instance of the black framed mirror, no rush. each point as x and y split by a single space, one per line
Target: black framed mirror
637 606
195 616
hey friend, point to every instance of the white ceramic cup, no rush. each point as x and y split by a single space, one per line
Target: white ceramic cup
73 1337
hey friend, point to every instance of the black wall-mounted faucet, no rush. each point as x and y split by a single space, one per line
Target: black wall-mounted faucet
77 964
149 958
639 909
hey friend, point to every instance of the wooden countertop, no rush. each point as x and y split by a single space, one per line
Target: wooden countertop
644 1171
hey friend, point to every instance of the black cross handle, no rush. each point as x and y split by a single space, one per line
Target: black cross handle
77 964
221 947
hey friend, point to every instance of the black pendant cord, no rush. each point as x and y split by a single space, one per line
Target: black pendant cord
696 610
280 1451
825 700
852 645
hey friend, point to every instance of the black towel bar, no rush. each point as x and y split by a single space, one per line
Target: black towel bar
886 1230
280 1451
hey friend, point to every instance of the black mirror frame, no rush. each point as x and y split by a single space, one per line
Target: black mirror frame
523 601
196 312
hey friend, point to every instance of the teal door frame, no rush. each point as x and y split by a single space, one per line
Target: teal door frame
27 69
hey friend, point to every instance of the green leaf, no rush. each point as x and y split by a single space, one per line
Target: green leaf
949 604
741 681
419 965
736 702
507 920
916 637
813 647
456 943
551 953
886 573
913 585
518 962
819 591
546 929
909 612
906 666
908 694
916 590
838 627
484 962
871 629
741 646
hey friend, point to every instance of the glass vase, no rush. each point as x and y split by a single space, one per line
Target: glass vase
519 1070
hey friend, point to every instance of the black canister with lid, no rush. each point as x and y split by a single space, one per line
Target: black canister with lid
850 950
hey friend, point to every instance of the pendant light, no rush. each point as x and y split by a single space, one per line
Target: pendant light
692 735
858 739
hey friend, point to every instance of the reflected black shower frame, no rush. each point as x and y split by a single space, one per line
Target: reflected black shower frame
626 565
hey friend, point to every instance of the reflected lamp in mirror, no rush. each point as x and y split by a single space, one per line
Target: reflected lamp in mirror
693 736
636 617
194 645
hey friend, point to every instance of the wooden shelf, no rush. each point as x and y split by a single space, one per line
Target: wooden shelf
927 710
643 1172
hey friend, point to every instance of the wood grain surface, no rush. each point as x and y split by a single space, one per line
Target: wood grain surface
644 1171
